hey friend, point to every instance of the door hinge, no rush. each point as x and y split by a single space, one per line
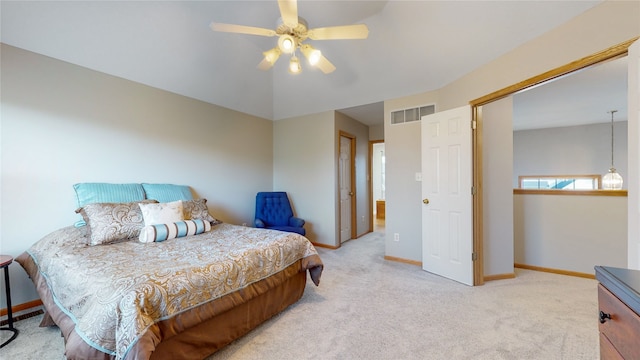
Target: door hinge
474 124
473 190
474 256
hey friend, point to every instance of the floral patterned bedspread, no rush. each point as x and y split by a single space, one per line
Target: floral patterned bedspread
115 292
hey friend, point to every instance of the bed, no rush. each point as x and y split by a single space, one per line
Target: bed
182 298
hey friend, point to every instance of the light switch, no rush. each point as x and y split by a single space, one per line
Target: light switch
418 176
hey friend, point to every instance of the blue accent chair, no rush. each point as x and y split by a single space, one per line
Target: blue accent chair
273 211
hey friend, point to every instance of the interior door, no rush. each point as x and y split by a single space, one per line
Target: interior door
447 218
346 192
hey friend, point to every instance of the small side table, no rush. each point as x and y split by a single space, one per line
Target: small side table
5 261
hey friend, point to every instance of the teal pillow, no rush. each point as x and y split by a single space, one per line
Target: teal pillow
90 193
167 192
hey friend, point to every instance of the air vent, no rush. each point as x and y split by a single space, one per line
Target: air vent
412 114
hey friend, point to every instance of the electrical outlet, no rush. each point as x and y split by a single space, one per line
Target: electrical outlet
362 218
396 237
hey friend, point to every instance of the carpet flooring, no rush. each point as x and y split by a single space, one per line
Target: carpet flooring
370 308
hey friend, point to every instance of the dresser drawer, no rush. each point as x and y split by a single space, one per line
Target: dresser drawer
607 351
622 329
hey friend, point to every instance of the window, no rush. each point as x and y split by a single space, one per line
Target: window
560 182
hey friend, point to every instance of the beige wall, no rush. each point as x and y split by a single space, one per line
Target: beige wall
601 27
403 204
304 166
63 124
570 150
497 193
376 132
570 232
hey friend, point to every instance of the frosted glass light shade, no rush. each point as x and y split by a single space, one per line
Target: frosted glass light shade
294 65
314 57
272 55
612 180
287 44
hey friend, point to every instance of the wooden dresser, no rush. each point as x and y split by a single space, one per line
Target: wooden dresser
619 312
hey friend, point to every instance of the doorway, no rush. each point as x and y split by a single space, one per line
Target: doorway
615 51
572 137
377 192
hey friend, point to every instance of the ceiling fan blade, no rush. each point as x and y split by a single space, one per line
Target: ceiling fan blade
289 12
270 58
241 29
265 65
358 31
325 65
316 58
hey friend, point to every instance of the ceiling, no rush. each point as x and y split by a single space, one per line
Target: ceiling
413 47
579 98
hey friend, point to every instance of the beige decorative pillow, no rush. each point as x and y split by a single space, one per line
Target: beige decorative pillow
162 213
111 222
197 209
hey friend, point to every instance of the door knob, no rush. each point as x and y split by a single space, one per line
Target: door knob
350 193
425 201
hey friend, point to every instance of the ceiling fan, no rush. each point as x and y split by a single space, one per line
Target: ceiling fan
292 31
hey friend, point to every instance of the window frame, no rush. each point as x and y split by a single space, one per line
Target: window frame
597 179
595 192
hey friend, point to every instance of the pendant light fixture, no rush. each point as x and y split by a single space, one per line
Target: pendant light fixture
612 180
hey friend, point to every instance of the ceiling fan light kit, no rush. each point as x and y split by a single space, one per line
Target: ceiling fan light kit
292 31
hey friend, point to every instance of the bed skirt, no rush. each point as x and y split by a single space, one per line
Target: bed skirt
195 333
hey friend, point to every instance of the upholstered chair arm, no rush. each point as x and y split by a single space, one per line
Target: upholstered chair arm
296 221
259 223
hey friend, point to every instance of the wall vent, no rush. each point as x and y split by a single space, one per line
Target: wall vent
412 114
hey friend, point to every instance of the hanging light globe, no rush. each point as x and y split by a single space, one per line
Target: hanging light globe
612 180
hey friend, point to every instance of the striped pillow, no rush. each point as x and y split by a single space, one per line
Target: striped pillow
162 232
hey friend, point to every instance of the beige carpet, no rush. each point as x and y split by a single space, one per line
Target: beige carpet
369 308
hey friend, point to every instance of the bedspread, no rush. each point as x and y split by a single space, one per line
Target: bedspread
113 293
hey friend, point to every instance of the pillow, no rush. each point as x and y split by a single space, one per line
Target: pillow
89 193
197 209
162 213
167 192
111 222
162 232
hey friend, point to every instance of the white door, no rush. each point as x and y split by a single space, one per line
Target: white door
447 217
344 174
